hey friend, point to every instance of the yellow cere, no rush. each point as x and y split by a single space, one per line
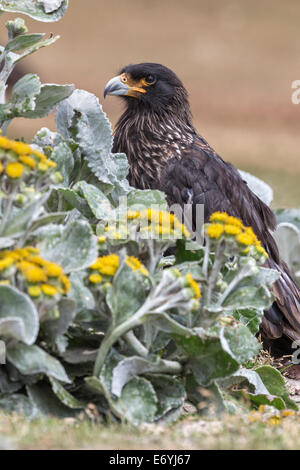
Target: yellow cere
41 276
19 158
221 224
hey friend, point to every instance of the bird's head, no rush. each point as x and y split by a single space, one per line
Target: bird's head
148 85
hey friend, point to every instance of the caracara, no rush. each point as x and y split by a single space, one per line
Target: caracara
165 152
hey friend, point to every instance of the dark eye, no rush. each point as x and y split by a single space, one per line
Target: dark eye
150 79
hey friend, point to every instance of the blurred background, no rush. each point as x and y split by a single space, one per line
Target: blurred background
237 59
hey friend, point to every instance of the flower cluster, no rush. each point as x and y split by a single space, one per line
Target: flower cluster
160 224
18 159
106 266
231 228
41 277
181 290
269 416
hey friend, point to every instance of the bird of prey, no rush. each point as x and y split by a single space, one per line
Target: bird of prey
166 152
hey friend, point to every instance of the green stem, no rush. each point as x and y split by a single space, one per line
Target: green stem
238 278
113 335
136 345
213 276
206 257
170 367
7 210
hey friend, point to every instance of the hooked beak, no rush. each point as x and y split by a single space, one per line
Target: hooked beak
117 87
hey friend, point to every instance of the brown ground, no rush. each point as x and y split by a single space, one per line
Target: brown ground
237 59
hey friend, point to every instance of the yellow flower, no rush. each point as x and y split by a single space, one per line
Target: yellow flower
232 230
185 231
6 262
219 217
136 265
214 230
261 251
32 249
160 230
53 270
251 234
33 274
165 218
49 290
42 166
244 239
14 170
254 416
147 214
65 282
34 291
193 285
50 163
286 413
132 215
95 278
5 282
116 235
36 260
96 265
29 161
234 221
274 420
101 239
5 143
39 155
1 168
20 148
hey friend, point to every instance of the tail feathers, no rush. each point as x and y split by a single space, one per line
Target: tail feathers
283 318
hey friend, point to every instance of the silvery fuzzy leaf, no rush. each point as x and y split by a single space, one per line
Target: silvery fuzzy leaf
41 10
18 315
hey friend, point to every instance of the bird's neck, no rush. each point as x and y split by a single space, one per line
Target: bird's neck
150 140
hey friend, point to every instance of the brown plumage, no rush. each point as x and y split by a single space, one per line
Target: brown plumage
166 152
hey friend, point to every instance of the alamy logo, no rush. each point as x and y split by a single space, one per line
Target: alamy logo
191 215
2 352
